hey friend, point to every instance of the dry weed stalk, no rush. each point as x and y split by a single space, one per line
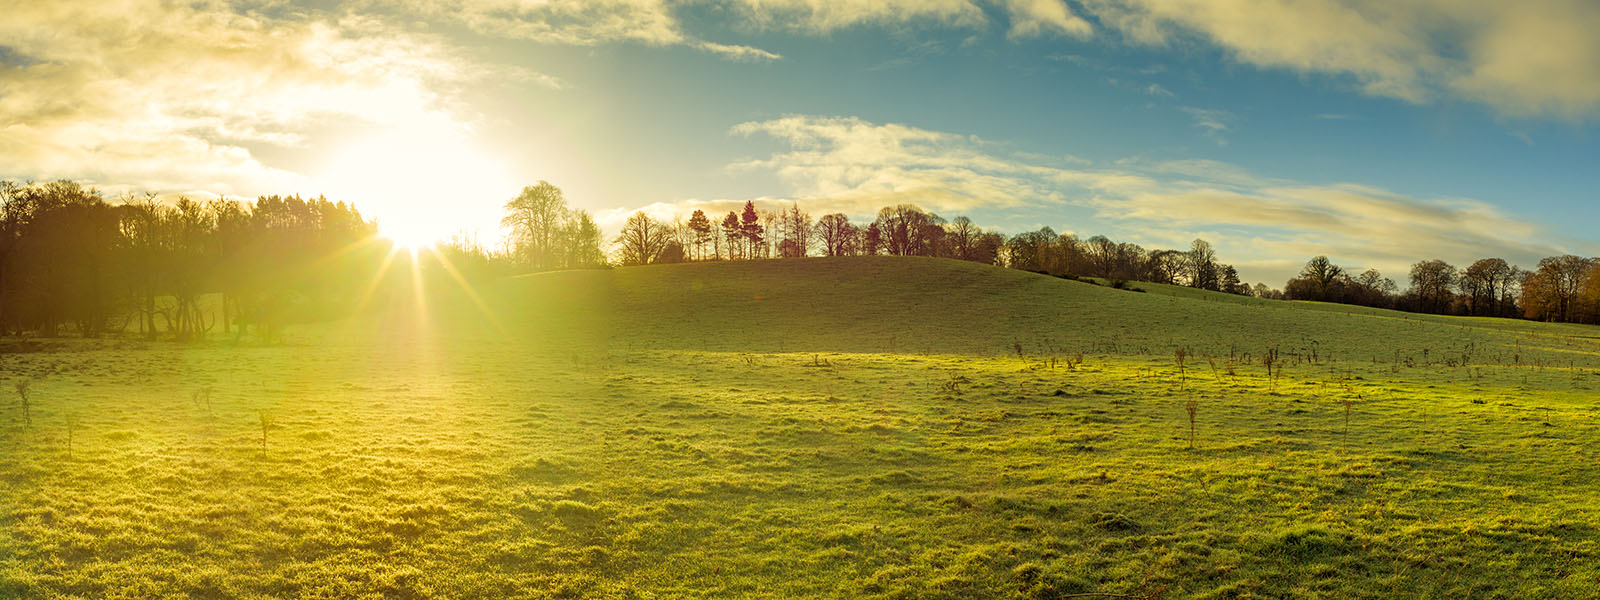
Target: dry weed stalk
25 391
266 423
1180 355
202 399
1191 406
72 426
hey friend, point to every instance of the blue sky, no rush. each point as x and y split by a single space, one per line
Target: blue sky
1373 133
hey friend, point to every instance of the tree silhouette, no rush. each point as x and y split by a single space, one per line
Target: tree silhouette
750 229
1322 275
70 259
732 231
837 234
797 232
963 237
642 240
1431 281
535 218
1551 290
872 239
1229 281
1202 266
581 239
701 227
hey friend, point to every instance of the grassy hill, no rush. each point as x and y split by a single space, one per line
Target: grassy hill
930 305
858 427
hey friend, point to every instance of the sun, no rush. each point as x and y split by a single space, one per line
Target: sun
410 236
422 184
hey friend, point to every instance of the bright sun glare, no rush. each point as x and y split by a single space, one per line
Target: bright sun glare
422 184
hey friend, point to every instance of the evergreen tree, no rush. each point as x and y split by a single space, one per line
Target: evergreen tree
750 225
733 233
701 226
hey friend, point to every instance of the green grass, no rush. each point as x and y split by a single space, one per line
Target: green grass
815 428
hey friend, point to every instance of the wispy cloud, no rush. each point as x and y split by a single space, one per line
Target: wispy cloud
1040 17
659 23
1214 122
853 166
1522 58
573 22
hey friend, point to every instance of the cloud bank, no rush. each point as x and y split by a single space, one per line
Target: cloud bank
171 97
1537 58
1522 59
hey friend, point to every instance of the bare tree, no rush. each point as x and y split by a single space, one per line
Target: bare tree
141 226
1031 250
642 240
872 239
988 248
1102 255
1202 266
907 231
580 241
836 233
534 217
1166 266
1550 291
772 223
963 235
1322 274
1431 281
798 230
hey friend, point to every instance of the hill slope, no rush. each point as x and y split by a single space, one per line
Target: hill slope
939 306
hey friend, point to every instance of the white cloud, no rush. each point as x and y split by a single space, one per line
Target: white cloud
850 165
1040 17
1535 58
1525 59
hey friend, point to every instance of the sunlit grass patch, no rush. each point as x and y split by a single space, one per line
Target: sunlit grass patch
670 455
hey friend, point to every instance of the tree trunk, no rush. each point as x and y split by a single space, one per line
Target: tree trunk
2 296
149 306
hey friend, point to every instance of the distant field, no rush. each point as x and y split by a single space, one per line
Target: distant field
868 427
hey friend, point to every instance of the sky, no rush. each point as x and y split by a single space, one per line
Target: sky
1377 133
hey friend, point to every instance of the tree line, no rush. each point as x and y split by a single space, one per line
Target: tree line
906 230
71 260
1562 288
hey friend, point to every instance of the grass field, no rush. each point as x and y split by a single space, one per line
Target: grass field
869 427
